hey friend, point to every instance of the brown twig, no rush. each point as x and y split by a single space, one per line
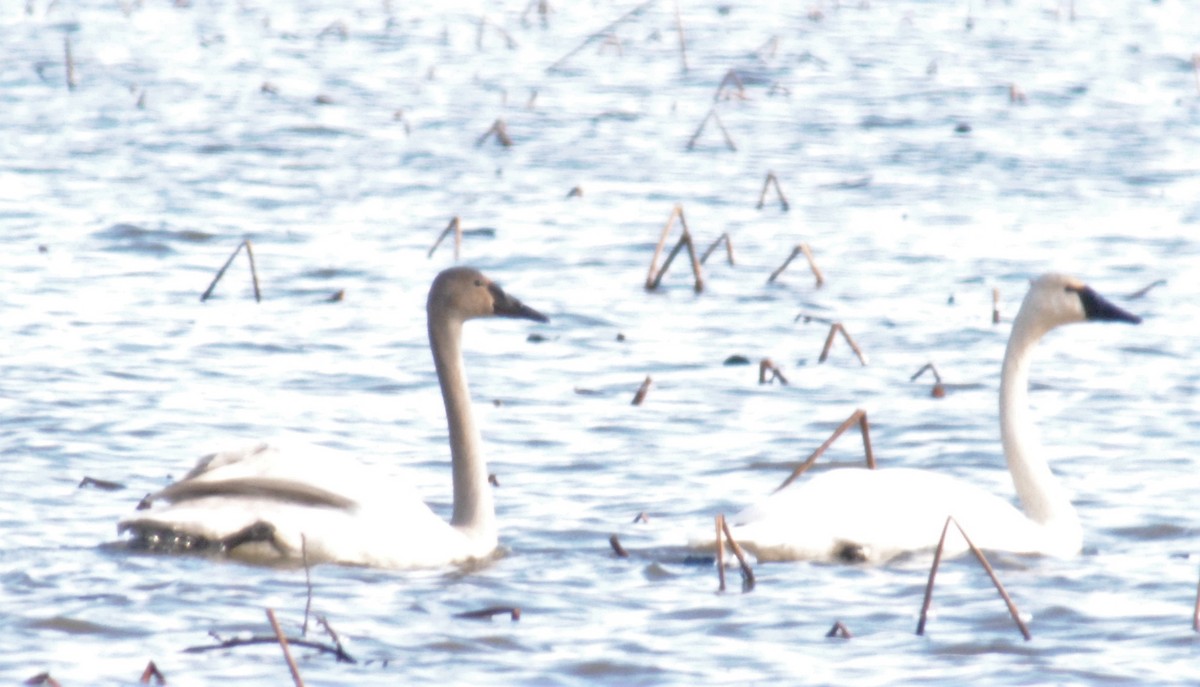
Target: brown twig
858 417
1196 612
839 630
1141 293
487 613
641 517
731 78
655 275
641 392
42 679
615 543
484 22
283 644
762 197
712 114
834 329
152 673
102 484
800 249
682 41
456 226
937 559
70 63
338 652
713 246
939 390
501 132
307 584
719 521
766 364
812 318
607 30
747 572
221 272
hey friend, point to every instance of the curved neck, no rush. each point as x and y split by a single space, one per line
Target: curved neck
1042 498
474 511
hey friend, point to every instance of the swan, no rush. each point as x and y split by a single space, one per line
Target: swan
272 503
857 514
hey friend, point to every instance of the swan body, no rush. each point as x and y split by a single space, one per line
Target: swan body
279 503
874 515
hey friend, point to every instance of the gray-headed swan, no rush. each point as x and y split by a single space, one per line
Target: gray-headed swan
267 503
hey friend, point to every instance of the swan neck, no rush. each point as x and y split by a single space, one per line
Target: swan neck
1042 497
474 511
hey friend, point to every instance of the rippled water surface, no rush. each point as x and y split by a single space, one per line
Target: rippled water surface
929 152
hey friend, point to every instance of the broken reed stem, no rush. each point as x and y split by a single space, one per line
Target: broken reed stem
839 630
654 277
766 364
615 543
713 246
747 572
712 114
307 584
939 390
834 329
283 644
1196 70
1141 293
987 567
221 272
152 673
730 77
719 521
762 197
641 392
484 22
1196 612
456 226
859 416
800 249
682 42
607 30
501 132
513 612
70 64
995 305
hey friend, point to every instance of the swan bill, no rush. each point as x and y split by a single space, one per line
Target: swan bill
1099 308
508 306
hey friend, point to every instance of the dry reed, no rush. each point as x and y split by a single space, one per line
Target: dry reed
712 114
283 644
152 673
834 330
69 61
682 40
641 392
800 249
766 365
655 275
603 32
987 567
615 543
773 180
500 131
713 246
839 630
731 78
1141 293
221 272
456 226
995 305
748 580
513 612
858 417
939 390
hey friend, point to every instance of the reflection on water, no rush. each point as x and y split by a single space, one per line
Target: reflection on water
341 140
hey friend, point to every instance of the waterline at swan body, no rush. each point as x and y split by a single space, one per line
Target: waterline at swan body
875 515
278 503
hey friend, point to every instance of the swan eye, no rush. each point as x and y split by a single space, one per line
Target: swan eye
478 282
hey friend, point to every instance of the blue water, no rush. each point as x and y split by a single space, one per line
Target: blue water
342 139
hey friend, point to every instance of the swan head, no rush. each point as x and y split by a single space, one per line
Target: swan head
465 293
1056 299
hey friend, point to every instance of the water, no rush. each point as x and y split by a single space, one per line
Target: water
193 127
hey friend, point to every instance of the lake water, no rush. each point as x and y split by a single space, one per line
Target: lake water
341 138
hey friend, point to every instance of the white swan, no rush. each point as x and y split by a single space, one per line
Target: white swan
266 504
875 515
